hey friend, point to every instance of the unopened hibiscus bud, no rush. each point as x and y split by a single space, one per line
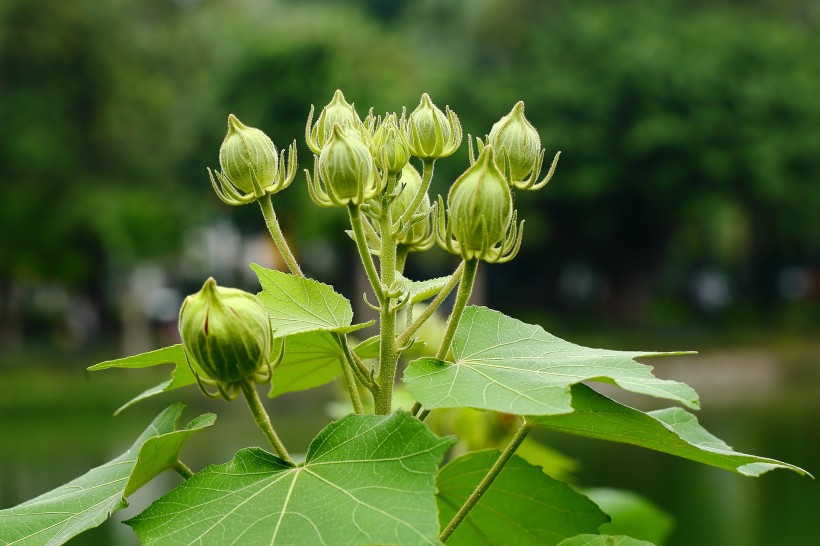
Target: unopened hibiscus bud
248 153
338 111
430 132
390 148
346 169
226 332
516 142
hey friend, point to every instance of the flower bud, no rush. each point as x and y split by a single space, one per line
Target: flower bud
347 169
338 111
248 153
390 148
430 132
419 235
480 207
516 142
227 332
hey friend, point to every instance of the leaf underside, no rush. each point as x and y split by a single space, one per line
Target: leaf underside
505 365
604 540
84 503
366 480
523 506
673 430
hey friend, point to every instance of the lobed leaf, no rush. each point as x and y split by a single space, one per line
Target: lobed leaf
523 506
632 515
310 360
84 503
297 304
366 480
673 430
506 365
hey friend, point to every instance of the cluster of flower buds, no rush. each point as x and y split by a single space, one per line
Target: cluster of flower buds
481 223
227 336
518 150
251 166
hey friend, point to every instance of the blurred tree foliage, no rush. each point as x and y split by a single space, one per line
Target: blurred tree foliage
689 130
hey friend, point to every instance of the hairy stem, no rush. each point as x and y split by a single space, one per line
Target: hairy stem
401 258
364 251
278 237
487 481
350 380
465 288
431 308
388 354
262 419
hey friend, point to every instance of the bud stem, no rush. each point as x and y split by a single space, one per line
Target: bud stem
487 481
263 420
364 252
404 339
465 288
278 236
350 379
426 178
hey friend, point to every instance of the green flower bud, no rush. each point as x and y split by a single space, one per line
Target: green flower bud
226 332
390 148
248 153
347 170
516 142
482 223
430 132
480 205
338 111
419 236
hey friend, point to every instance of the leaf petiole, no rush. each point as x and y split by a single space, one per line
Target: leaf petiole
487 481
262 419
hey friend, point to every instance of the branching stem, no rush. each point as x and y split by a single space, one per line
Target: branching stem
364 251
350 380
431 308
487 481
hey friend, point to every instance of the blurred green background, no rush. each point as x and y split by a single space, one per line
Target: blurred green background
683 215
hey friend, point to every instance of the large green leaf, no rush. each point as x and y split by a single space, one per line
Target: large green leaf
181 375
84 503
366 480
674 431
523 506
298 304
604 540
311 359
506 365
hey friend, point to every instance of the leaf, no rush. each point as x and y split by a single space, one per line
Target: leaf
523 506
84 503
506 365
422 290
674 431
632 515
604 540
366 480
181 375
297 304
311 359
369 348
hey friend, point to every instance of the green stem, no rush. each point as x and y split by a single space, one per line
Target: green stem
350 380
401 258
278 236
487 481
180 468
437 301
426 178
364 251
388 353
263 420
465 288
